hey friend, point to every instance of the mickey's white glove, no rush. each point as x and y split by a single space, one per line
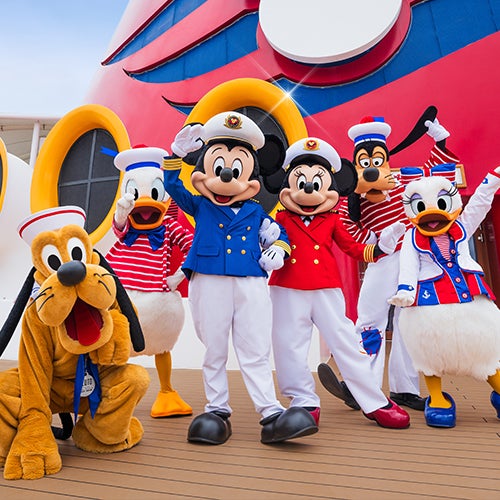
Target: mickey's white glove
174 280
436 130
390 236
124 206
404 298
269 232
187 140
272 258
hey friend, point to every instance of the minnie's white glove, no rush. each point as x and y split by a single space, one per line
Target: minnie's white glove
124 206
390 236
436 130
269 232
404 298
187 140
272 258
174 280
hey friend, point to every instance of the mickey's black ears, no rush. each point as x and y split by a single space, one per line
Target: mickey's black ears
16 312
346 178
271 156
136 335
418 130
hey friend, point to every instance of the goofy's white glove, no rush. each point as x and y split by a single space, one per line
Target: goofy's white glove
404 298
269 232
272 258
390 236
187 140
436 130
124 206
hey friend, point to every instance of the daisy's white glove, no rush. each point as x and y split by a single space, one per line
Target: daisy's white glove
404 298
187 140
273 258
269 232
124 206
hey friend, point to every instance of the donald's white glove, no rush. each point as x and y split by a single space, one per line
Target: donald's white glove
272 258
174 280
404 298
269 232
436 130
124 206
390 236
187 140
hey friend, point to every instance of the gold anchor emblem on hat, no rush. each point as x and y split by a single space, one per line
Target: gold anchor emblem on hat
233 122
311 145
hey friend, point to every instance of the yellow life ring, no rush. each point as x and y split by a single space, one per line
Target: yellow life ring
3 172
243 92
59 142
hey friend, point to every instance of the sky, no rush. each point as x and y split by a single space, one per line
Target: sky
50 51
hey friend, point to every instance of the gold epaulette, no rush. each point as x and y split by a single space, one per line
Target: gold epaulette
368 253
172 163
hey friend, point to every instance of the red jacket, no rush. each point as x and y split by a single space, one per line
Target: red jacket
312 264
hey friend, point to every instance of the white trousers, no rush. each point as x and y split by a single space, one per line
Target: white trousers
294 314
222 305
379 284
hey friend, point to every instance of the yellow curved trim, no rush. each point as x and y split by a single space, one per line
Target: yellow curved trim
5 172
243 92
57 145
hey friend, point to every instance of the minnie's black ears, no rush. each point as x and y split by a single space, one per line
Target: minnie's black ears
346 178
271 156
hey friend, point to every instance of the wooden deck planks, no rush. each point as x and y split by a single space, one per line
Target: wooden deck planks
351 457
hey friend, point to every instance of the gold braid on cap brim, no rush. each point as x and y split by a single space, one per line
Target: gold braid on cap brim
284 245
368 253
172 164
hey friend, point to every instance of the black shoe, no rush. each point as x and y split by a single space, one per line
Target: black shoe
338 388
211 428
290 424
413 401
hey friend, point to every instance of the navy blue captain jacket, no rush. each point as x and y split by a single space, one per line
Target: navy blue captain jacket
225 243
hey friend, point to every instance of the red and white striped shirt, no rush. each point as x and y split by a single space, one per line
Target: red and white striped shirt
138 266
377 216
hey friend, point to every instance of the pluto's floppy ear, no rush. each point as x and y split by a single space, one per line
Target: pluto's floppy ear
16 312
346 178
136 335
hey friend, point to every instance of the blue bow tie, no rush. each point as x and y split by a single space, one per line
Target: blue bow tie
155 236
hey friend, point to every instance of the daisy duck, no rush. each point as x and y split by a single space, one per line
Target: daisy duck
449 321
141 257
236 243
307 290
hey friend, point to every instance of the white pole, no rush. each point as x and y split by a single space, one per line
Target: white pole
34 143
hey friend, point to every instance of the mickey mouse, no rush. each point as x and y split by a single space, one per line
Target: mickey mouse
236 243
307 290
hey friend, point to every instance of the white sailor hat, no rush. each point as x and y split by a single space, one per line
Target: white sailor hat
370 128
50 219
138 157
313 146
233 125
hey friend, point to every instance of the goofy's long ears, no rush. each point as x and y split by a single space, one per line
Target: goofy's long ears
17 311
418 130
136 335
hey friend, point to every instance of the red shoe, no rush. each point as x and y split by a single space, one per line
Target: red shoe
393 417
315 413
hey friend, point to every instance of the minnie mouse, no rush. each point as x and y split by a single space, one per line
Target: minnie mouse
307 291
236 243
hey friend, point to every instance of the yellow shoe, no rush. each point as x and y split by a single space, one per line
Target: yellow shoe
170 404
